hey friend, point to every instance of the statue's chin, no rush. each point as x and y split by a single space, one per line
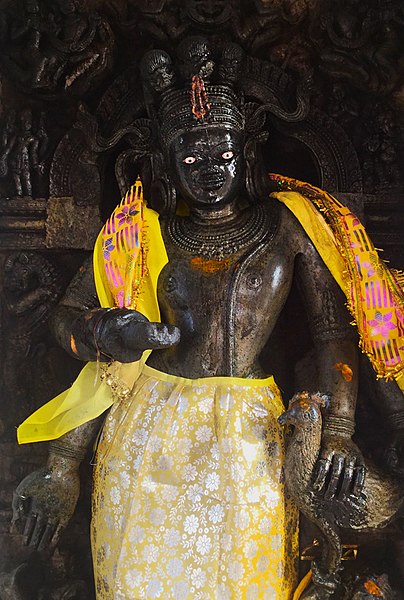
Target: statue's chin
211 201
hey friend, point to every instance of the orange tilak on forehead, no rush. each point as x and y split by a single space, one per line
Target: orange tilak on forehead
199 98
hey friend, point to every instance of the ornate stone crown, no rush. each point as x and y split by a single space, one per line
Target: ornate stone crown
176 114
183 97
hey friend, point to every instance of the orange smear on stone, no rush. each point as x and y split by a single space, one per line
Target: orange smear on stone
210 265
345 369
372 588
73 344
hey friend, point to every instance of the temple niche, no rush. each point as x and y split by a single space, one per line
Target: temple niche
75 133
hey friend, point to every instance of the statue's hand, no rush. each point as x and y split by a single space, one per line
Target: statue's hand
340 470
44 503
124 335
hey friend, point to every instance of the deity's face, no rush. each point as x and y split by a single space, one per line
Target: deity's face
161 77
157 69
208 165
232 58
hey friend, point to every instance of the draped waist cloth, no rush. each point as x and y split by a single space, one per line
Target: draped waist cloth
129 255
188 498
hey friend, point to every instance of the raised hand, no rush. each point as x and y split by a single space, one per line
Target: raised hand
113 334
125 334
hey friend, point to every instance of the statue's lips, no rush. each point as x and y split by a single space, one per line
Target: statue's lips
211 182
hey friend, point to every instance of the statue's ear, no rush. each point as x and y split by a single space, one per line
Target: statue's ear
162 196
255 119
140 137
257 181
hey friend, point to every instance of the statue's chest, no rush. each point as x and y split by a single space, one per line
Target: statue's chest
198 289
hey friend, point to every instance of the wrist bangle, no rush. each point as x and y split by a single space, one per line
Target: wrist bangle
343 426
97 328
396 420
67 451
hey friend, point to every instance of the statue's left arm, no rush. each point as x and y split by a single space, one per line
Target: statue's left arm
391 405
340 470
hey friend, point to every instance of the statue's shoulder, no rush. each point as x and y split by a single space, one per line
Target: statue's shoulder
282 215
291 234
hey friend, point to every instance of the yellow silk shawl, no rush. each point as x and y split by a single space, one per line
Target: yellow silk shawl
129 255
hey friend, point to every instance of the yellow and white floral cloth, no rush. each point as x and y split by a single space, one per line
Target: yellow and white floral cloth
189 500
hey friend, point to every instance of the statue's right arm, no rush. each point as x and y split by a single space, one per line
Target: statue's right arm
45 500
89 332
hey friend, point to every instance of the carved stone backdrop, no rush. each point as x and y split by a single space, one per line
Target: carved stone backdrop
73 135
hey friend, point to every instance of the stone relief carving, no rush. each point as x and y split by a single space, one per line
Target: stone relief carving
51 48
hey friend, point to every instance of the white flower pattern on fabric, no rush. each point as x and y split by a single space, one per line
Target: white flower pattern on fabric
203 544
203 434
191 524
189 472
188 494
216 513
175 567
154 588
198 578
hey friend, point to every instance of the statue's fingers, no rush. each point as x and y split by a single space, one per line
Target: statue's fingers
347 478
19 507
155 335
337 466
29 528
359 480
320 473
17 504
47 536
56 535
38 531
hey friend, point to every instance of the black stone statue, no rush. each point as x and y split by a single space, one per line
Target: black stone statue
161 527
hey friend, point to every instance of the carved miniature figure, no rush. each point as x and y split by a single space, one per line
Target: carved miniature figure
33 25
195 58
189 498
24 156
231 63
24 146
364 45
69 46
7 141
157 70
31 288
